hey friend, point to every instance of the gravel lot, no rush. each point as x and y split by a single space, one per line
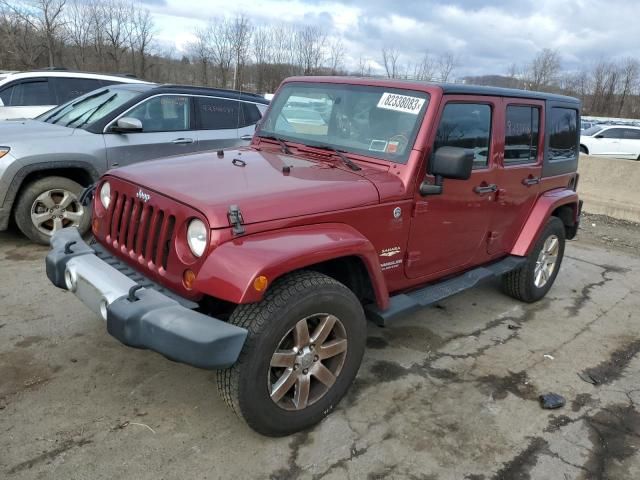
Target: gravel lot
447 393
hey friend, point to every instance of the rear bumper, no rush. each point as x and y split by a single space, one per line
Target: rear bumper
145 318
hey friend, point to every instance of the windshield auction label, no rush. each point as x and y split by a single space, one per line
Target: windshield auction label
401 103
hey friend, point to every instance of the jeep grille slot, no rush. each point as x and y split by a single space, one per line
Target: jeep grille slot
142 231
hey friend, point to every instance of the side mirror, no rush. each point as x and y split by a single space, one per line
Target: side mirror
127 125
448 162
599 136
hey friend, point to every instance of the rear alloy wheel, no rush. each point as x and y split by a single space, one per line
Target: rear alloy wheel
533 280
48 205
305 344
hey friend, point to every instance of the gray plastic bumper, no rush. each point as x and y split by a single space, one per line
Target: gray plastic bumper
145 318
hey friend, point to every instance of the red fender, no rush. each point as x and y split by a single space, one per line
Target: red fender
542 210
229 270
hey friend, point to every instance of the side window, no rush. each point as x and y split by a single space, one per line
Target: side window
252 114
27 94
563 134
218 113
466 125
70 88
521 135
613 133
631 134
166 113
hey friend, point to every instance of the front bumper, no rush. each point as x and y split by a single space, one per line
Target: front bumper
137 316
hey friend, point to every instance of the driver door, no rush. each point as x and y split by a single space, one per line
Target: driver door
166 131
449 231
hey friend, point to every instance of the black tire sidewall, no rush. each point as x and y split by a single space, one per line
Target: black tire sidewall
260 412
555 227
28 195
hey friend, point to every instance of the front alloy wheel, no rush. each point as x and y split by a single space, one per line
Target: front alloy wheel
305 366
56 209
303 350
546 262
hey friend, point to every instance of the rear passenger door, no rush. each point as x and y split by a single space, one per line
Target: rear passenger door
166 130
252 114
519 171
217 121
630 144
26 98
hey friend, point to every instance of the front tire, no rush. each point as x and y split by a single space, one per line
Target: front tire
584 150
49 204
534 279
304 348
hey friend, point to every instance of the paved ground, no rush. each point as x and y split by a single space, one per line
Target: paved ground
448 393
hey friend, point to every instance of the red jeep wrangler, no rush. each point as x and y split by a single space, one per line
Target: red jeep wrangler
357 198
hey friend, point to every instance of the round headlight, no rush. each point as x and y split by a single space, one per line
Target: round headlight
197 237
105 195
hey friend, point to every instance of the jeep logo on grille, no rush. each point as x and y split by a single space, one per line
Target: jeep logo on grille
143 196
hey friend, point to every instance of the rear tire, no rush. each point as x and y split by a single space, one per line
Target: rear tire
534 279
584 150
49 204
272 362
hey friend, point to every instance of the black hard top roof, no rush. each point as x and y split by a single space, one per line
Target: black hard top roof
220 92
462 89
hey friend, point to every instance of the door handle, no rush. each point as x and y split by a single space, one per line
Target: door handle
247 137
482 189
182 141
529 181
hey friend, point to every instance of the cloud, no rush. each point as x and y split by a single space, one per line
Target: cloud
486 37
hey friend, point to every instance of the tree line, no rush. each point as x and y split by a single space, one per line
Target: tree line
119 36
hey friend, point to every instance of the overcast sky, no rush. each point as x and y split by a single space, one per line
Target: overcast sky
486 36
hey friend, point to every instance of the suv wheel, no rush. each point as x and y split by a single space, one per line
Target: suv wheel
305 344
49 204
584 150
533 280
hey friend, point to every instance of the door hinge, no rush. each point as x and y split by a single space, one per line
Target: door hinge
412 258
235 219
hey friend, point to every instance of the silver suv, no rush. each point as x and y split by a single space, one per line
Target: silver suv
46 162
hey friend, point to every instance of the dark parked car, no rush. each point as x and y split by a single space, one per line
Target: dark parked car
46 162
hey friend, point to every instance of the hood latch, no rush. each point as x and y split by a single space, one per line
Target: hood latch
235 219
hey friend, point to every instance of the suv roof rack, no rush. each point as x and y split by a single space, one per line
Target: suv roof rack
215 89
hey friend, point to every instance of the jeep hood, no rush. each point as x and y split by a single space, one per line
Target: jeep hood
259 188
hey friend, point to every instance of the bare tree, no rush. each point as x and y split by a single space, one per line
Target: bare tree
544 69
44 16
446 63
425 69
78 30
364 67
630 72
335 59
221 49
309 47
239 32
390 61
116 27
200 52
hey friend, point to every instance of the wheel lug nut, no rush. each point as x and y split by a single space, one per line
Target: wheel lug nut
296 366
305 371
316 358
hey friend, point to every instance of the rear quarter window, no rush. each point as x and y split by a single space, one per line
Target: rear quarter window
563 134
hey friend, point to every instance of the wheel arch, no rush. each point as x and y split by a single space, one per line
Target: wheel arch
585 148
337 250
559 203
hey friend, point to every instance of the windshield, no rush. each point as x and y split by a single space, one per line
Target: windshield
89 108
375 121
592 130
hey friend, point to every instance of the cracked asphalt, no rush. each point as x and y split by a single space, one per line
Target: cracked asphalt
450 392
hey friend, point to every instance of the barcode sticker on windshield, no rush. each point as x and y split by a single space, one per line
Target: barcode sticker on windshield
401 103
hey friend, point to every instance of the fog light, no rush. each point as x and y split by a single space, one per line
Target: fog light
188 277
260 283
103 309
70 280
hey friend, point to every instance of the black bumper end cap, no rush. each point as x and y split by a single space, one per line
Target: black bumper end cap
158 323
65 244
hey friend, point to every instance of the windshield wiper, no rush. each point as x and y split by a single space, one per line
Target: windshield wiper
283 145
340 153
96 108
75 104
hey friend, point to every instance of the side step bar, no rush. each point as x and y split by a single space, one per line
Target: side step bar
405 303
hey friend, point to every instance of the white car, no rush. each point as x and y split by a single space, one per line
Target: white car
619 141
29 94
